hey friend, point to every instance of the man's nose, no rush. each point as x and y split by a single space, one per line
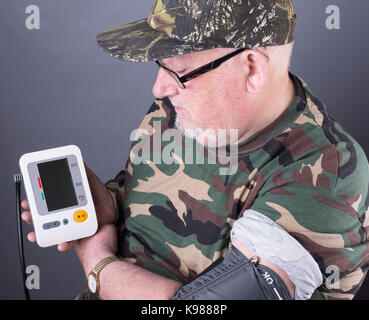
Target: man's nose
164 85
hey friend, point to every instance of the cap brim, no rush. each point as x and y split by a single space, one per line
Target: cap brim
138 42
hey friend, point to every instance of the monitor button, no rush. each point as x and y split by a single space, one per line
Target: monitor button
50 225
80 216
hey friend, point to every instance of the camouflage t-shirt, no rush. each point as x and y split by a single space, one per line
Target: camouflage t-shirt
304 171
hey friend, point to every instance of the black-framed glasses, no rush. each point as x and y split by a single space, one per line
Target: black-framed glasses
201 70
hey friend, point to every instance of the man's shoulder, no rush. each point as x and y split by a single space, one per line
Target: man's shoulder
323 149
318 192
316 129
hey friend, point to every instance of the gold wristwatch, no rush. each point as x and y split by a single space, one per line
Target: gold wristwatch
93 276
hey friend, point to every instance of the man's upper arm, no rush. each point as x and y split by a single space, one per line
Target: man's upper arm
256 234
328 227
264 262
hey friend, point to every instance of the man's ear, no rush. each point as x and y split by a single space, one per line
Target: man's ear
255 65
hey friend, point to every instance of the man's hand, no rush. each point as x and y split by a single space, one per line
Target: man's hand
97 247
104 206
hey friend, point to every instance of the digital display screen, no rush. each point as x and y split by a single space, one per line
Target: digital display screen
57 184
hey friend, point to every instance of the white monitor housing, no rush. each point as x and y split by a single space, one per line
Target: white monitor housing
59 195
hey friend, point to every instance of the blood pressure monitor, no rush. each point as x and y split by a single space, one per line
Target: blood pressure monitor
58 194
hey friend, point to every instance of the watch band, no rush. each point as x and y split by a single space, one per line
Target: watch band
102 263
96 270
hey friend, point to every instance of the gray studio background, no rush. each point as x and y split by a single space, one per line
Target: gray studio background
57 88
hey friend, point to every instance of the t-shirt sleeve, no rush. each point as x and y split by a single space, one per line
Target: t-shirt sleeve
330 223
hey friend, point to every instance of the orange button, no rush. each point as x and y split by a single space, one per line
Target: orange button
80 216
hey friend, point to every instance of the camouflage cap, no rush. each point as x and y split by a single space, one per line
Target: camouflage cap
176 27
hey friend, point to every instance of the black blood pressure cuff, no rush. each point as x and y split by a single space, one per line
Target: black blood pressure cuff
234 277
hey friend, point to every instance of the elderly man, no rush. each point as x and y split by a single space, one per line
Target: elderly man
286 218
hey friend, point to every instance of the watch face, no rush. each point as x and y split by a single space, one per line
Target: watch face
92 283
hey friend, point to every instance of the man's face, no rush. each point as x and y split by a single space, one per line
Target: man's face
214 100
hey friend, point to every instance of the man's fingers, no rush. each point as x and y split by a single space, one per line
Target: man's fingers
31 237
65 246
26 217
24 204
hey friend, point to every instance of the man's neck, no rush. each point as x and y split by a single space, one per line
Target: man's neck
276 103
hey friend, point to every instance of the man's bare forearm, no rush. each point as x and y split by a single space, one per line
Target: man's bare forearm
124 281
